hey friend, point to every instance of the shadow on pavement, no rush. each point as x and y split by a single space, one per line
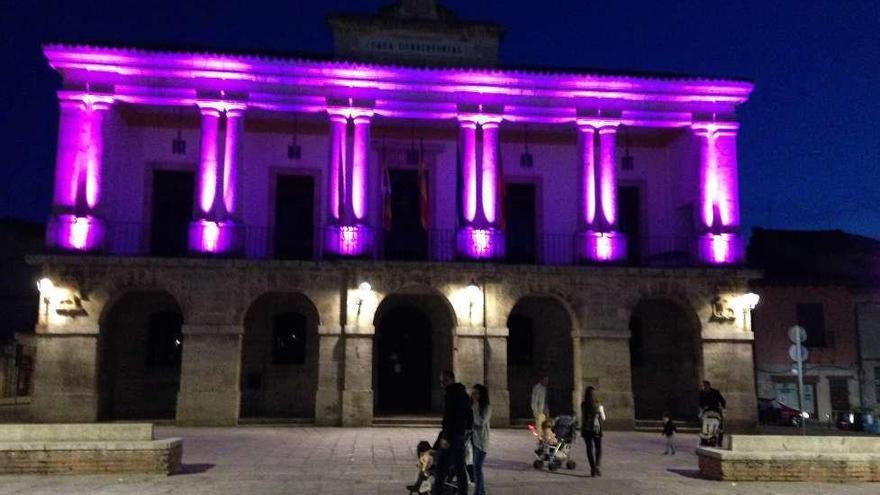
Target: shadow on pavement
687 473
194 468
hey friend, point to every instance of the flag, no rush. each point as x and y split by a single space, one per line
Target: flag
386 193
424 205
499 181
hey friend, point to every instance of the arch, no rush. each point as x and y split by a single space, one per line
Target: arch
665 358
540 344
139 347
279 357
413 343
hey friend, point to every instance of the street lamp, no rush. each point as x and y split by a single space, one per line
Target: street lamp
748 301
363 290
473 293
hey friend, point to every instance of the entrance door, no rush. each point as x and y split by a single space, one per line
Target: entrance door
294 217
173 193
403 364
521 233
629 198
406 240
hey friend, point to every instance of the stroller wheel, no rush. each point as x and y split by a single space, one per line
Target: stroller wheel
570 464
538 464
553 466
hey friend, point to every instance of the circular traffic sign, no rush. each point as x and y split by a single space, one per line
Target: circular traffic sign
797 334
793 352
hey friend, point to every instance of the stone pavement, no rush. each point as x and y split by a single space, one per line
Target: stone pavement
329 461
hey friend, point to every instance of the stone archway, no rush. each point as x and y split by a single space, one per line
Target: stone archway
140 348
666 359
540 343
413 343
279 357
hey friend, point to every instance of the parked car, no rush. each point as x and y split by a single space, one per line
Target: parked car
771 411
850 420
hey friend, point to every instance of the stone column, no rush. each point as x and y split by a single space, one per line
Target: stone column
215 229
66 377
604 364
331 353
357 394
496 375
75 223
468 354
729 365
600 241
718 213
349 233
481 236
210 375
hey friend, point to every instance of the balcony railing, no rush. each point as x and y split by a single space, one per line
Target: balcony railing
135 239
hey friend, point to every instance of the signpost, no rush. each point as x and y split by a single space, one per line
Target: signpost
798 353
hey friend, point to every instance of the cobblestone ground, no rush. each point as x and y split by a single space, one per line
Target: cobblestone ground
308 460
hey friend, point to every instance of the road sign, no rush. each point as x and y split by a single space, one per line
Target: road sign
797 334
793 353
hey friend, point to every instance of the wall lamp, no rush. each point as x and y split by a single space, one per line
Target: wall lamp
473 294
748 301
362 291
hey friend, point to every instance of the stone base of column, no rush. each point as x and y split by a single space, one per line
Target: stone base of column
500 400
601 247
210 376
75 233
348 240
215 238
65 379
480 243
720 249
468 357
328 407
606 366
357 408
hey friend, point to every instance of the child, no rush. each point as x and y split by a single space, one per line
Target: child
547 433
669 432
426 462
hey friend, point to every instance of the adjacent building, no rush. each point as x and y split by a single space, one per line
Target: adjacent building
260 236
826 282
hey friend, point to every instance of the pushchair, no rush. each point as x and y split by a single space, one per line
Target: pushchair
711 428
450 481
553 456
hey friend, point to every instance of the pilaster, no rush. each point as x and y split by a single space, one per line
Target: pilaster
210 375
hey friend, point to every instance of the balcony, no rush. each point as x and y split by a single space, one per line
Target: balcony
136 239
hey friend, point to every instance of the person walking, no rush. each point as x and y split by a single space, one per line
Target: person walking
669 430
593 417
539 402
458 420
480 437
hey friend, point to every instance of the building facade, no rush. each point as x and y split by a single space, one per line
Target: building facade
256 236
823 281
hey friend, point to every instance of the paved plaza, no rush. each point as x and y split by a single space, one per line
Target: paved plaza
311 460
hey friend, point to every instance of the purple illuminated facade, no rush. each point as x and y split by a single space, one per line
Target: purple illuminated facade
683 132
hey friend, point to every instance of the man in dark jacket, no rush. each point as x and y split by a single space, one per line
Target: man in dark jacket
711 399
458 420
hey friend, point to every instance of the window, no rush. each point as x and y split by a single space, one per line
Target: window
786 393
289 339
164 339
812 318
520 341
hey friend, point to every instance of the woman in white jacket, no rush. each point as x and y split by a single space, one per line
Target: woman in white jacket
480 438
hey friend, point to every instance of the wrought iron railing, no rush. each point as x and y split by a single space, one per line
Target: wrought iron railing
260 242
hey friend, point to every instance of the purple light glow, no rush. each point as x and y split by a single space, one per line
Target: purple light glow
586 143
720 249
468 142
337 157
80 152
480 244
210 237
208 161
348 240
359 165
603 246
718 175
74 233
489 164
608 175
232 159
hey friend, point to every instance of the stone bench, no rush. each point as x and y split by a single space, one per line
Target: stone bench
86 448
793 458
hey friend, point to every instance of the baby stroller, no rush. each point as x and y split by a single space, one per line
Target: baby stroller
565 429
711 429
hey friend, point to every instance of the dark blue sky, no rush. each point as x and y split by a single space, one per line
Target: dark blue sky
809 149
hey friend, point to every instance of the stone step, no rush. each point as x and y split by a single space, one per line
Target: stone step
657 425
408 421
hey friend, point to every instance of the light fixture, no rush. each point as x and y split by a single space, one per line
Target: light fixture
750 300
178 144
473 293
45 285
526 160
365 286
627 162
363 289
294 151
